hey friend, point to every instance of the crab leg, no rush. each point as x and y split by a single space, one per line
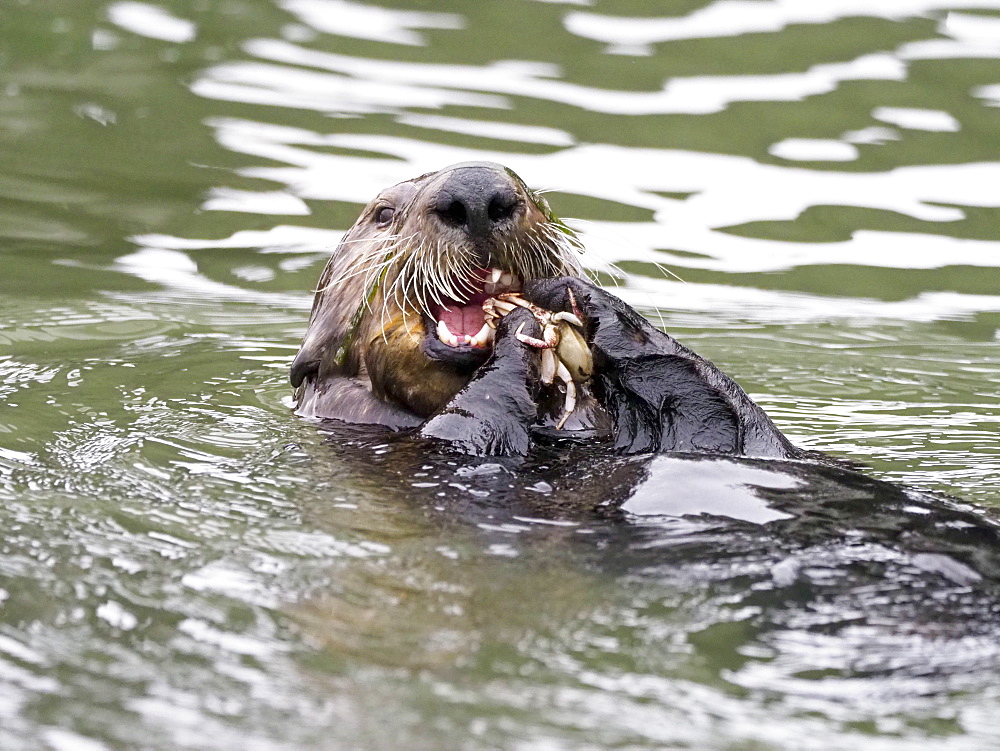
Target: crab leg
494 309
570 403
569 318
550 338
550 365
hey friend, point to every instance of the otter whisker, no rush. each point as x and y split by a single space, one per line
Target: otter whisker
400 285
376 278
391 290
423 286
384 317
420 287
617 275
465 274
425 275
444 283
513 254
565 244
512 260
543 261
381 255
365 240
392 236
464 277
405 277
367 269
412 292
404 285
377 249
533 255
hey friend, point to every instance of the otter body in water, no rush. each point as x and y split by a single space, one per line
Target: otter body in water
398 336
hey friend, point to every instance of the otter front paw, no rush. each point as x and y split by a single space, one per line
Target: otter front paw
493 414
660 396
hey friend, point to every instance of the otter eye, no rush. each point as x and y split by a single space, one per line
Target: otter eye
384 215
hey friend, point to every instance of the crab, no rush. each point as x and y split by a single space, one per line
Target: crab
564 351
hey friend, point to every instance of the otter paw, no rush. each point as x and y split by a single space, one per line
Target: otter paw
566 293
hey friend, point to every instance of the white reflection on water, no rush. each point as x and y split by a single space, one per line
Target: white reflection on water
727 191
730 190
255 202
917 119
178 273
679 95
281 239
731 303
362 21
990 93
151 21
971 37
717 488
814 149
691 95
973 28
724 191
281 86
728 18
724 303
496 131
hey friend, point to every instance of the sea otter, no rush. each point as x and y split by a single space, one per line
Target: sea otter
398 335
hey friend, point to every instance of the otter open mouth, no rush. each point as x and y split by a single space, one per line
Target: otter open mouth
456 328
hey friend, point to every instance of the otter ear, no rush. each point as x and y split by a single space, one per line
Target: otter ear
305 365
307 362
324 337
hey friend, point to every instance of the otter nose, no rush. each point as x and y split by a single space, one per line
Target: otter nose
476 199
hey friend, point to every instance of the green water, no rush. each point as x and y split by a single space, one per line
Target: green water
185 564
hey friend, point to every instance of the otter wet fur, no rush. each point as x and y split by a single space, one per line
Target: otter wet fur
398 335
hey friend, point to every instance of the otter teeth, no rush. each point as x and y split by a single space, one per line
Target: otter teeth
501 281
483 337
445 335
490 285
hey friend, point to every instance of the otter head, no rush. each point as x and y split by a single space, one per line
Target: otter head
399 305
